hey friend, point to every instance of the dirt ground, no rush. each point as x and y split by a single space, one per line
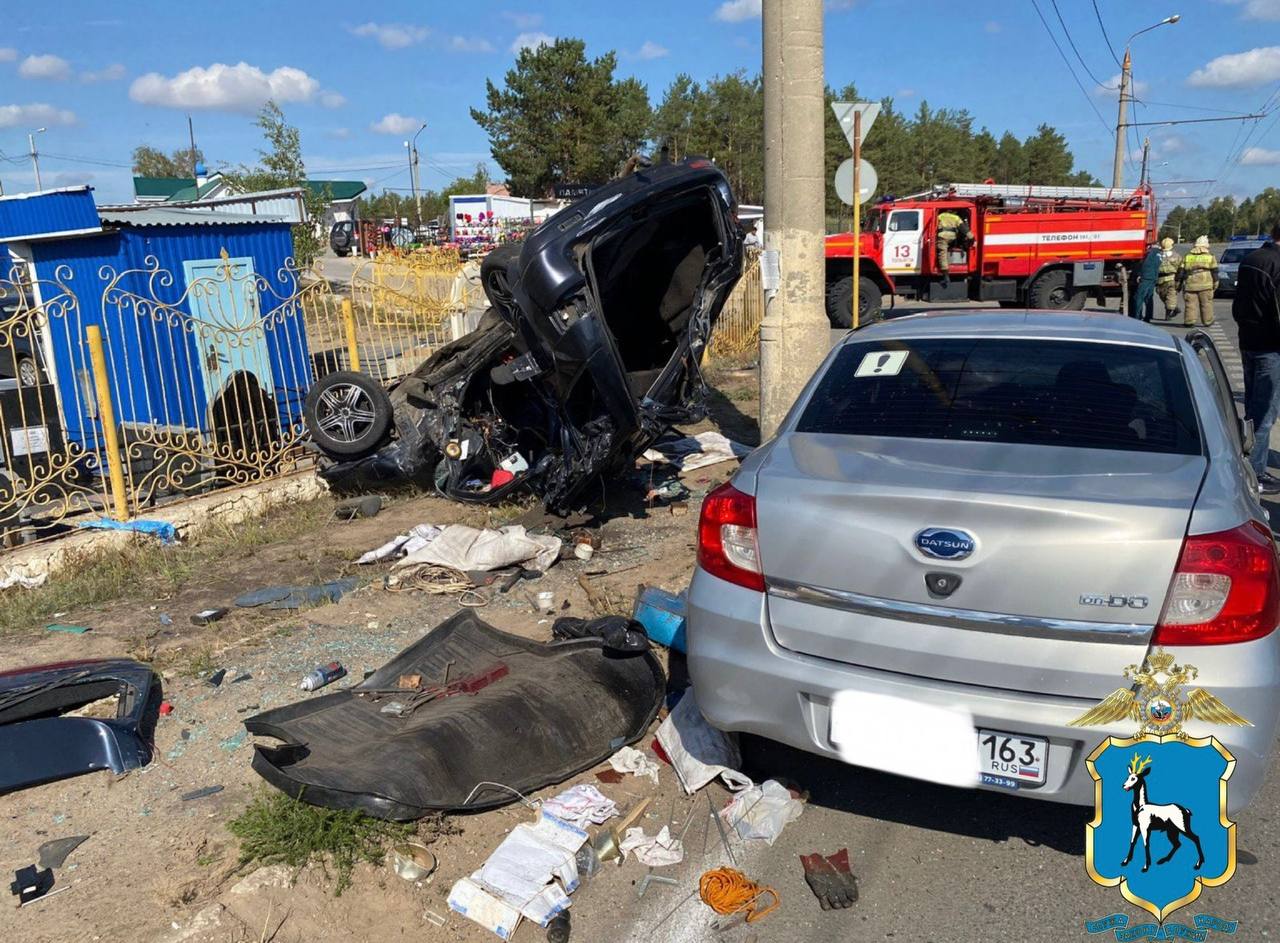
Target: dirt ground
156 867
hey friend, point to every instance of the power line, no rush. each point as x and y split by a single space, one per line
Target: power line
1067 33
1103 26
1223 111
71 158
1067 63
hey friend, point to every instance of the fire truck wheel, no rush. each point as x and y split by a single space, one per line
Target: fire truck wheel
840 302
1052 291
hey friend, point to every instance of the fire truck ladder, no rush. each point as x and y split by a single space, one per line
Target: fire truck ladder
1033 192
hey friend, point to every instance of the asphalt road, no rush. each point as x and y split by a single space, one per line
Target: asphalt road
938 864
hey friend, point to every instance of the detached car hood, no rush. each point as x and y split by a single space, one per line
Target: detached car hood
589 351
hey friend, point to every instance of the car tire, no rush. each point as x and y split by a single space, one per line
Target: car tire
28 372
840 302
1052 292
342 253
347 414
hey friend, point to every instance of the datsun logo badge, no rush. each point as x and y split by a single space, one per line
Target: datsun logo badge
945 543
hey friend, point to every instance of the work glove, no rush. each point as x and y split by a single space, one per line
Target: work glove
830 879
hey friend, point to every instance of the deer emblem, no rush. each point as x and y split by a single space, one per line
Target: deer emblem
1172 819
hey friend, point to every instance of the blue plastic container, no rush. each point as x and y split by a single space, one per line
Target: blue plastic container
662 615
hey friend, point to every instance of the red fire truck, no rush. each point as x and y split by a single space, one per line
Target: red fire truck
1033 246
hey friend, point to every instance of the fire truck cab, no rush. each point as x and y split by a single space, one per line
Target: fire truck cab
1041 247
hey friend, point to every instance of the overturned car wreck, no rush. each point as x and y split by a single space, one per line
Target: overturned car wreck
590 350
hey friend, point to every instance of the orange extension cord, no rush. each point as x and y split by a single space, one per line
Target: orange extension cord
728 891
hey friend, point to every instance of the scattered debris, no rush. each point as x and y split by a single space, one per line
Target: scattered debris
697 751
417 538
559 929
162 530
206 616
242 677
30 884
53 853
11 578
619 633
762 811
413 861
830 879
68 629
166 619
630 760
656 851
582 805
365 506
165 708
232 743
610 776
663 616
729 891
608 841
215 680
295 597
200 793
248 707
651 878
325 674
691 452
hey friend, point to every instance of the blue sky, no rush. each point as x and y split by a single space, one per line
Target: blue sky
353 77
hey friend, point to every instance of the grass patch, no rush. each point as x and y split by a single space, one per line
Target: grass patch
276 829
144 569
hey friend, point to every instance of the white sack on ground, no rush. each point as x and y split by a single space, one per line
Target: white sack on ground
698 752
630 760
762 811
582 805
415 540
471 548
696 451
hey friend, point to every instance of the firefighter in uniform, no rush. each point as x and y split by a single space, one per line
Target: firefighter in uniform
1199 276
949 227
1167 279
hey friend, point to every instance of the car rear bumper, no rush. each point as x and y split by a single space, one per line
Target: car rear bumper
747 683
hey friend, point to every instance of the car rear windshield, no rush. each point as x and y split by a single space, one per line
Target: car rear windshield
1236 255
1035 392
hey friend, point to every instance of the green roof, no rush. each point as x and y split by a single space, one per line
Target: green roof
338 189
190 192
160 186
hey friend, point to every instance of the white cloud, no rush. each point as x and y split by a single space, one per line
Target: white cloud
72 178
221 87
29 116
531 41
332 99
991 26
53 68
8 54
523 21
393 35
470 44
1239 69
396 123
735 11
650 50
1257 9
1260 157
1111 88
112 73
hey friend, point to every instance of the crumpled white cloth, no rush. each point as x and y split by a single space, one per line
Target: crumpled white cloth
656 852
699 752
581 805
469 548
417 538
13 578
762 811
696 451
630 760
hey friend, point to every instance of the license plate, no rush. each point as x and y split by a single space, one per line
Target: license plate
1012 756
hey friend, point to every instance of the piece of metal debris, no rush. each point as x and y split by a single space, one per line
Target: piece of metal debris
54 852
200 793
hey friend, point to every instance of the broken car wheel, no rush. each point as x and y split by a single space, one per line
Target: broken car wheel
348 414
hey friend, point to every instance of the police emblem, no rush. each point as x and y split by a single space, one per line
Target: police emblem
1160 829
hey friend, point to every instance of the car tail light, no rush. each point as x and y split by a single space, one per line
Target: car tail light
1226 589
727 544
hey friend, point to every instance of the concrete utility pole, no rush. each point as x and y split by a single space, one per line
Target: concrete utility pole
795 334
35 158
1126 94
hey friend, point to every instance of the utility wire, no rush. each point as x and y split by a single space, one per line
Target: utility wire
1103 26
1083 64
1067 63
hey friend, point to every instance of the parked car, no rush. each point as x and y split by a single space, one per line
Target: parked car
997 512
1229 263
589 352
344 238
18 359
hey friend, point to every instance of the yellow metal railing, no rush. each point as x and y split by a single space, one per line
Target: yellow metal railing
738 329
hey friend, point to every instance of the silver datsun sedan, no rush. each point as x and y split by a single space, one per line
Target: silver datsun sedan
993 513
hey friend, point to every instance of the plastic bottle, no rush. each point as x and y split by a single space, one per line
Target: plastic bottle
325 674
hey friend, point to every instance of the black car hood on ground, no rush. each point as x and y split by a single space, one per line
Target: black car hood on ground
589 352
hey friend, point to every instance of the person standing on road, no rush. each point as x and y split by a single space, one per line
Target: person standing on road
1256 309
949 226
1167 280
1199 276
1141 304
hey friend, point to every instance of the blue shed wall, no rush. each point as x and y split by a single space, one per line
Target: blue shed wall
56 211
155 371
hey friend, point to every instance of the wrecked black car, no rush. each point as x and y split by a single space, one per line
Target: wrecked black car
589 351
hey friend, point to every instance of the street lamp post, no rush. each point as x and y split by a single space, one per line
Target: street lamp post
417 175
1126 81
35 158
